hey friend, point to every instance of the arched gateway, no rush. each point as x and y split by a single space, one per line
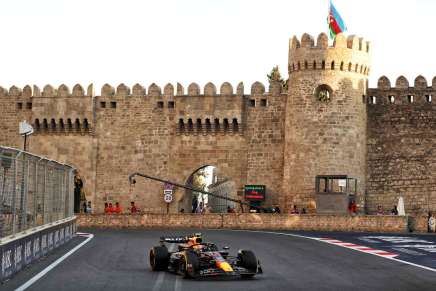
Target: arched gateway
207 178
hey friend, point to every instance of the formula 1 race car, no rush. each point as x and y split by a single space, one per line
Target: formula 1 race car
197 259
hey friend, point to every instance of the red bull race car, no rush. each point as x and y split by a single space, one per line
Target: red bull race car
197 259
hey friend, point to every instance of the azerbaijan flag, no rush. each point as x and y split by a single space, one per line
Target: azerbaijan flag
336 24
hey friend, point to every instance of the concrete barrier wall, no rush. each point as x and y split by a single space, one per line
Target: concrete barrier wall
367 223
419 223
23 248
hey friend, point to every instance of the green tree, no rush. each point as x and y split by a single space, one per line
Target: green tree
199 179
275 76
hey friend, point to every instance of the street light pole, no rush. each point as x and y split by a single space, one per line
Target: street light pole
25 142
25 129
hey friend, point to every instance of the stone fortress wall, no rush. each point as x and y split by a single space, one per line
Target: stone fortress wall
280 139
402 144
168 134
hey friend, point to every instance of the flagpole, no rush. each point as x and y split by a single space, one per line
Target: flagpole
328 16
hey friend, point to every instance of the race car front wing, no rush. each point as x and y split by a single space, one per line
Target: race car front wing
237 271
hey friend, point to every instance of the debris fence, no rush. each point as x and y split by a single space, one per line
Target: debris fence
33 191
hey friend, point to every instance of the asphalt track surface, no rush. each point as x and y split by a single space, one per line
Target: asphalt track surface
118 260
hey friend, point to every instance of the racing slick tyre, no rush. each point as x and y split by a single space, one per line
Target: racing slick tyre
159 258
247 260
189 265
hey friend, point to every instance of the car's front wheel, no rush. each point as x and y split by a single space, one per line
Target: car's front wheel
159 258
247 259
189 265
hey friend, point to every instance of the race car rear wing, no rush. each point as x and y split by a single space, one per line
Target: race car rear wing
179 239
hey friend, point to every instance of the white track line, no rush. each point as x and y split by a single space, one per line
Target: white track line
351 248
178 284
158 283
55 263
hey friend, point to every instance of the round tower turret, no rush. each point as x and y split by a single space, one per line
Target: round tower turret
325 115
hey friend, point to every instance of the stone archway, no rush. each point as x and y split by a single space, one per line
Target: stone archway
214 183
190 199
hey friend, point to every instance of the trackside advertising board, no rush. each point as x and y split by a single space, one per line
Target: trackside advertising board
254 192
15 255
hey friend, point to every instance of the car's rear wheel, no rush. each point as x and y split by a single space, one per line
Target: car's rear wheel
247 260
159 258
189 265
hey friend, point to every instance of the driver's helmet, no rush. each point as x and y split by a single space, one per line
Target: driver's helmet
195 240
199 247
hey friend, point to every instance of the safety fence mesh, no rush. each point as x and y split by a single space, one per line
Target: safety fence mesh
33 191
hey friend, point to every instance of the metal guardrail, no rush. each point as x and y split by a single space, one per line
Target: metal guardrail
33 191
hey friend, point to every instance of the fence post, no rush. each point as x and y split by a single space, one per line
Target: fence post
44 192
4 165
6 161
67 196
14 195
24 192
56 194
49 204
71 191
62 194
35 196
1 202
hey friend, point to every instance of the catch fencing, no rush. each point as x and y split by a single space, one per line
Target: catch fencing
34 191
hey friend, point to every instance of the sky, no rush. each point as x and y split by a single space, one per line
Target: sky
170 41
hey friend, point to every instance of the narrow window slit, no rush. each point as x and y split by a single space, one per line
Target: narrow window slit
235 125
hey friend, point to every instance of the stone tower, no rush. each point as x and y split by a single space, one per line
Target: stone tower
325 130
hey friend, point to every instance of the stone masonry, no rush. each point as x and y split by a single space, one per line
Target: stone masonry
329 122
253 221
325 137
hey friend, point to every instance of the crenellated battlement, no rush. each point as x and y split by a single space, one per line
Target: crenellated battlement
60 111
401 82
48 91
402 92
351 42
193 90
349 54
138 90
